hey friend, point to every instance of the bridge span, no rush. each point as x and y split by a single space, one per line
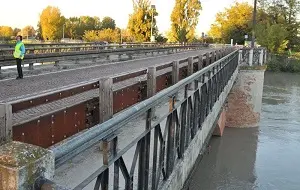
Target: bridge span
153 137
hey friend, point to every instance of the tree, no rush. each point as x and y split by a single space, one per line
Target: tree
86 23
28 31
139 24
108 35
126 36
273 37
233 23
16 31
284 12
160 38
184 19
108 22
39 33
51 23
6 32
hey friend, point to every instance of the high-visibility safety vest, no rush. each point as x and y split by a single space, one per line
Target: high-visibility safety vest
17 52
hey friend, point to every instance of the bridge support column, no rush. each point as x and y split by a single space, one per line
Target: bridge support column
245 99
22 164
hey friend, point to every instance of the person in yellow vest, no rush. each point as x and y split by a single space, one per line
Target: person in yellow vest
19 55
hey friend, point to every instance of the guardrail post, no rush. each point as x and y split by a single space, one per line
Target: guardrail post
190 69
207 58
56 63
105 99
5 123
30 66
212 57
151 85
175 74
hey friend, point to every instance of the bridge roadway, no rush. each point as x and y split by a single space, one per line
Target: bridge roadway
12 89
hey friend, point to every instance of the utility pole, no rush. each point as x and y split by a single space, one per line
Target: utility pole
254 24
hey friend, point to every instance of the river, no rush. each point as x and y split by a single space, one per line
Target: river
266 157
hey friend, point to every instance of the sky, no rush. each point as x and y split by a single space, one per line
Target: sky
28 13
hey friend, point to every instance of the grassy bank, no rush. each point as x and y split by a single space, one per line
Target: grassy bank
284 63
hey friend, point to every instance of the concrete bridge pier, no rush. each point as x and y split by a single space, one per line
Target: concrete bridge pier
245 98
244 102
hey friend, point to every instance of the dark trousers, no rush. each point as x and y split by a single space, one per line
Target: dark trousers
19 67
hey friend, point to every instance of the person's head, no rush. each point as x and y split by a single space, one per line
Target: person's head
19 38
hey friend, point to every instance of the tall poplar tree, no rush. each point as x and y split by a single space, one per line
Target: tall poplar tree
184 19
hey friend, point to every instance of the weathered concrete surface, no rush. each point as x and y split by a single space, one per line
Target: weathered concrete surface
184 167
245 99
221 124
21 164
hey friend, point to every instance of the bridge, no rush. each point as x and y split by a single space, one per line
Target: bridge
149 118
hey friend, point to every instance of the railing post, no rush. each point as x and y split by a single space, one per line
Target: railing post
250 57
265 56
240 56
105 101
151 85
212 57
261 57
5 123
175 74
207 59
190 68
30 66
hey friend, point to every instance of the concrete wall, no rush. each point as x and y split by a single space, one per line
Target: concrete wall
197 146
245 99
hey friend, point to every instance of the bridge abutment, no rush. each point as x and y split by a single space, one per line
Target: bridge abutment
245 98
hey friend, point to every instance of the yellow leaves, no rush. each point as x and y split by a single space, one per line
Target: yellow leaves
6 32
139 24
235 18
51 23
108 35
184 19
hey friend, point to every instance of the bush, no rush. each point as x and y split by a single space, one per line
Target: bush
283 63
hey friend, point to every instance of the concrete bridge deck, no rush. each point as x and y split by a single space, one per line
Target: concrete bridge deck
12 89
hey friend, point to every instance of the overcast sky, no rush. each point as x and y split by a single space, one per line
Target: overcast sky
17 14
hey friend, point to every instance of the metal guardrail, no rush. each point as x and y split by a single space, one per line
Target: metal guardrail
85 113
55 48
127 44
8 60
183 121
